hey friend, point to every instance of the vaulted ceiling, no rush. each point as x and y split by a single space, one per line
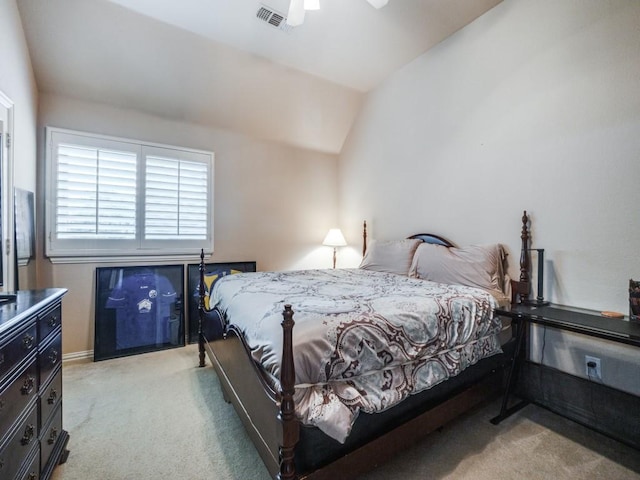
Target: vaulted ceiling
214 62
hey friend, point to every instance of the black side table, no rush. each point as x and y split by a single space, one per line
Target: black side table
564 318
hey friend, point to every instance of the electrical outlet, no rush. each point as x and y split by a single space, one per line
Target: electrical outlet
592 365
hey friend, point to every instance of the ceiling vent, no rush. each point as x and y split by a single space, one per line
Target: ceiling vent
273 18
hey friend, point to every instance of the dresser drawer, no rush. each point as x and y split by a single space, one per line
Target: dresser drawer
48 322
50 436
32 472
15 397
49 358
19 445
50 396
17 349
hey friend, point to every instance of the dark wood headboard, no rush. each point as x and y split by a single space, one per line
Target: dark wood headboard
425 237
434 239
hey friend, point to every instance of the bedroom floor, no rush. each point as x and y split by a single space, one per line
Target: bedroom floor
159 416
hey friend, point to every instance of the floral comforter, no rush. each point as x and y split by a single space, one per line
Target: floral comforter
363 340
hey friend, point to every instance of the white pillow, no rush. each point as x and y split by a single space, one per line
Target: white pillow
480 266
392 256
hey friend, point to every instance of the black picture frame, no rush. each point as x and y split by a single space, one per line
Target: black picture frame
193 280
138 309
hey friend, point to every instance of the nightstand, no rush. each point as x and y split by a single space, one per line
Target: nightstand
586 322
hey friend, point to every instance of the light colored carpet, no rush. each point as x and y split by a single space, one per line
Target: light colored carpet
159 416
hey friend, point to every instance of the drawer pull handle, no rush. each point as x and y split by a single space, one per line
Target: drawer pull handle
32 476
27 342
53 435
29 433
53 357
28 385
52 321
53 395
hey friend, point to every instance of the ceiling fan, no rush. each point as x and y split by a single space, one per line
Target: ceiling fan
297 8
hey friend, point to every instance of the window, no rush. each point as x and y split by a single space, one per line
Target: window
116 197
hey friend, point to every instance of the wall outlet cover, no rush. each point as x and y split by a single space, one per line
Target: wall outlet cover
592 366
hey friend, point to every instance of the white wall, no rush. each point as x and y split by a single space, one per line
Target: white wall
273 203
533 106
18 83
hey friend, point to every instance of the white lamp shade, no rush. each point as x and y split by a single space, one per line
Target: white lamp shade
334 238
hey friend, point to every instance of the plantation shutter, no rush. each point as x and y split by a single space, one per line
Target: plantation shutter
176 200
96 193
108 196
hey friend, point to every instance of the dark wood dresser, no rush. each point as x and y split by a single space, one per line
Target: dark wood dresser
32 441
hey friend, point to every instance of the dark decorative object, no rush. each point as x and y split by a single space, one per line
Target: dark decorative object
634 300
212 272
138 310
539 301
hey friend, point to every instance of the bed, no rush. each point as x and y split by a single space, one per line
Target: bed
318 408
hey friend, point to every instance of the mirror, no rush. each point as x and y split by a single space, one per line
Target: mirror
2 140
24 215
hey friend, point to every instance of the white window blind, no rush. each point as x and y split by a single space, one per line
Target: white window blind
176 199
96 193
109 196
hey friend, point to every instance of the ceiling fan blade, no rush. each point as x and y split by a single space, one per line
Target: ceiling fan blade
378 3
312 4
295 17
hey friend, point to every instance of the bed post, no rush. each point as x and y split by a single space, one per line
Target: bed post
364 238
287 416
201 310
525 262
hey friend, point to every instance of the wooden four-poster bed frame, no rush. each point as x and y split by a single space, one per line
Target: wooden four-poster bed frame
291 450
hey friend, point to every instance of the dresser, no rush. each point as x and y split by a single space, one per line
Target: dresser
32 440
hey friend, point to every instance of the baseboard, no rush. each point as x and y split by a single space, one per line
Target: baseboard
604 409
74 357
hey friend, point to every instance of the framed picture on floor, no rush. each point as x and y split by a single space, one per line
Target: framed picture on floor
138 310
213 271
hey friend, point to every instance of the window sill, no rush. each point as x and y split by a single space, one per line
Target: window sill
139 259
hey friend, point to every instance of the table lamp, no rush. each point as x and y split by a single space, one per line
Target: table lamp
334 239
